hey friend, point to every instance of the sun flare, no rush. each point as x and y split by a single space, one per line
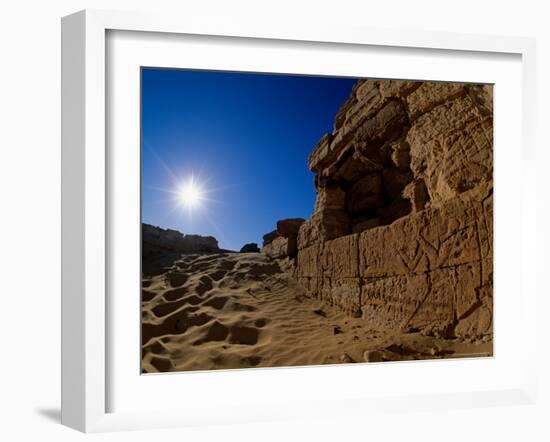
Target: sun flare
190 194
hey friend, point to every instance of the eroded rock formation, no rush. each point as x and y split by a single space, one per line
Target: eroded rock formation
161 247
401 233
251 247
283 242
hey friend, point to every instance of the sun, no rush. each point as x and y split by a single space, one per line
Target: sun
190 194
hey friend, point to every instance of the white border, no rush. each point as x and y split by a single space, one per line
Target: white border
83 333
127 52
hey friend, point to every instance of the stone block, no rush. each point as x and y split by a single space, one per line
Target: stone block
430 95
340 257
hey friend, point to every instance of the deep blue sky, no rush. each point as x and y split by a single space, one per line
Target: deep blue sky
245 137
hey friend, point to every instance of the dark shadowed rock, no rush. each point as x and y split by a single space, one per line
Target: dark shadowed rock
250 248
161 247
170 239
289 226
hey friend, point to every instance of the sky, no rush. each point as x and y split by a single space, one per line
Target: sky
243 140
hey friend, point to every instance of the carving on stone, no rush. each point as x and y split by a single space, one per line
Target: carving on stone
401 232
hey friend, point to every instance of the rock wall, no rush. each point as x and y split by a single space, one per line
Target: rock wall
251 247
401 233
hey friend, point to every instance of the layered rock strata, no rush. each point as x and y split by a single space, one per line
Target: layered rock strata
401 233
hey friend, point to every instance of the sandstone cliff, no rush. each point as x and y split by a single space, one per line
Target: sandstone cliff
401 233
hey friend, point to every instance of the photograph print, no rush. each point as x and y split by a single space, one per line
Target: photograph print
294 220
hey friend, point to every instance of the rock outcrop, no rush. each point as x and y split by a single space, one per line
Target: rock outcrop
160 247
250 248
401 233
283 242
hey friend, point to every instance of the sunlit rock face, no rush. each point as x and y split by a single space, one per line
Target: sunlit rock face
283 242
401 232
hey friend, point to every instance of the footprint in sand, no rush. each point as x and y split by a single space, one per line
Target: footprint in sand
192 311
215 332
165 309
217 275
176 278
237 334
227 265
200 288
204 285
196 267
161 364
147 295
175 323
175 294
157 347
217 302
199 319
239 307
244 335
261 322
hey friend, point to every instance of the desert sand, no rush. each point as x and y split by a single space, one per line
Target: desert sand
239 310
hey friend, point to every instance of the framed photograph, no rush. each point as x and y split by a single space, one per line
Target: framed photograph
251 212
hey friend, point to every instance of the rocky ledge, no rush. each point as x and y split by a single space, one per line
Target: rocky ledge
160 247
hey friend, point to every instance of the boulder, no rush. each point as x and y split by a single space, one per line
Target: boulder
289 226
278 248
283 242
269 237
250 248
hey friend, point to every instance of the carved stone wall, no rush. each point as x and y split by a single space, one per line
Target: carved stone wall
431 270
401 233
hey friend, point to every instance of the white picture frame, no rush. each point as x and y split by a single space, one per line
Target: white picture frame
85 209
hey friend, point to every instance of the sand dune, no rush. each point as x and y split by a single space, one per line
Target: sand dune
237 310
